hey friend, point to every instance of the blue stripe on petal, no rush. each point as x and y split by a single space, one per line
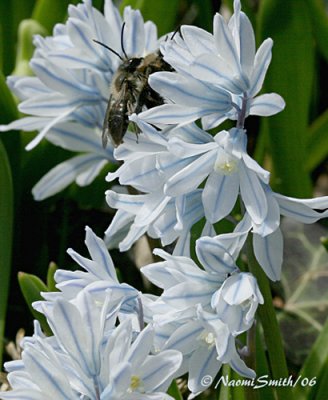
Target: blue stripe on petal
69 330
46 187
48 376
101 253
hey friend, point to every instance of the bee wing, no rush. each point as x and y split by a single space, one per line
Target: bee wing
116 120
105 131
114 108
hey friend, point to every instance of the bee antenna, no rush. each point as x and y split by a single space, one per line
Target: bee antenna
122 36
178 30
109 48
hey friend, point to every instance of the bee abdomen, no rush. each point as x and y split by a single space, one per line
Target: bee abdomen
117 123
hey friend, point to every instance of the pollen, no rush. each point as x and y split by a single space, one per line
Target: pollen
134 384
208 338
225 164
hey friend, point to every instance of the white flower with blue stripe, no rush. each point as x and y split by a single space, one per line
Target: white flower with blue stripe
146 164
201 311
217 76
223 162
98 275
66 99
90 358
267 237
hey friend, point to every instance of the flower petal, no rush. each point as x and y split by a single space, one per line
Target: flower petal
268 251
64 174
266 105
253 194
219 195
303 210
214 257
261 64
185 90
191 176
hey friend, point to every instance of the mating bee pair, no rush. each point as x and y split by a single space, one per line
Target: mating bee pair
130 91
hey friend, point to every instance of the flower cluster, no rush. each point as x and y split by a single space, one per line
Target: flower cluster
192 327
90 357
201 311
67 98
180 175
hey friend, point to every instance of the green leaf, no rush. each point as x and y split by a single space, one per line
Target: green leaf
6 231
304 283
50 12
162 12
318 14
317 142
290 75
51 283
7 102
321 389
31 287
25 48
8 32
11 140
315 366
174 391
262 369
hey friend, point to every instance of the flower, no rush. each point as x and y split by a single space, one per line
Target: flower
201 311
229 170
90 358
67 98
268 243
99 276
145 166
218 287
217 76
83 168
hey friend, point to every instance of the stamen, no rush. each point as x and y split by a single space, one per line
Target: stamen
225 164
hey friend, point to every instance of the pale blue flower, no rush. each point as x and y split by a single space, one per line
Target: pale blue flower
236 301
202 310
83 168
228 169
159 216
98 275
205 341
268 238
146 165
235 296
218 76
89 358
66 99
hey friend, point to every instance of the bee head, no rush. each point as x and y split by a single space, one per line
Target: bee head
132 64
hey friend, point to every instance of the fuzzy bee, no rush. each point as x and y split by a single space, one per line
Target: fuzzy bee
130 92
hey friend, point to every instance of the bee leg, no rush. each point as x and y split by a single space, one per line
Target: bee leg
151 98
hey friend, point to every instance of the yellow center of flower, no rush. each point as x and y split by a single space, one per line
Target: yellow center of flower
225 164
208 338
135 383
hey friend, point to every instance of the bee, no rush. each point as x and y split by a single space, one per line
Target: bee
130 92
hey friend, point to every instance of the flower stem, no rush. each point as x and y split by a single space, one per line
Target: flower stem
270 326
242 113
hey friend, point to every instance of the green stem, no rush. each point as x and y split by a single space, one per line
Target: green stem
270 326
250 393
